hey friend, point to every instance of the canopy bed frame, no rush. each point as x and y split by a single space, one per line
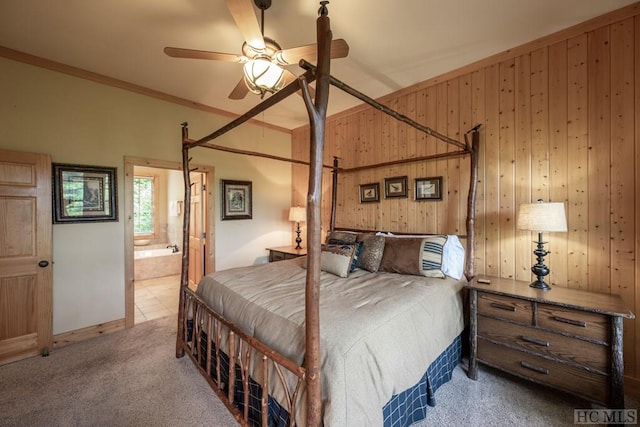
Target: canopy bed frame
197 319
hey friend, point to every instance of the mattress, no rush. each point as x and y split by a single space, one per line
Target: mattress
379 331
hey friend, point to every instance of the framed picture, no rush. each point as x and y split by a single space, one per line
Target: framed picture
84 193
236 199
370 193
395 187
429 188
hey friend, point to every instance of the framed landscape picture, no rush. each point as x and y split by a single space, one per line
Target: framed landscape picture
84 193
236 199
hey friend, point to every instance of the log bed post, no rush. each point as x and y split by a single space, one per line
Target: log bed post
317 116
334 193
473 148
184 275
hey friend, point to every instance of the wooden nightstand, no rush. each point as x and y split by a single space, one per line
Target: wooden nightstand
285 252
565 338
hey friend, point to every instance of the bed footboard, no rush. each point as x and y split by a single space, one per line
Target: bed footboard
239 368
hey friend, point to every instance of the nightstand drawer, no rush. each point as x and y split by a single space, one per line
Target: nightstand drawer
575 380
574 322
505 307
553 345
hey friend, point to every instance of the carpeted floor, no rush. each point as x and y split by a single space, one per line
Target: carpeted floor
132 378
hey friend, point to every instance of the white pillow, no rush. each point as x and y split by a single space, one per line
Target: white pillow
452 255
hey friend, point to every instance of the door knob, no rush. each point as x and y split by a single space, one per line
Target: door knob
43 263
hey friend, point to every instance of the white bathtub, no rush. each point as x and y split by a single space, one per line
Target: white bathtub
155 262
150 253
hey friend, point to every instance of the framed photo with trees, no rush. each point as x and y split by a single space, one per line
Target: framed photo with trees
84 193
236 199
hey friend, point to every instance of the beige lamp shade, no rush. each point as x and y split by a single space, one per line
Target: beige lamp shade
297 214
542 217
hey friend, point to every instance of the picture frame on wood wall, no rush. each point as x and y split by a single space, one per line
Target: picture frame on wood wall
428 188
236 199
395 187
84 193
370 193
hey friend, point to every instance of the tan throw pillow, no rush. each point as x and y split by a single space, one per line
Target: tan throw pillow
336 259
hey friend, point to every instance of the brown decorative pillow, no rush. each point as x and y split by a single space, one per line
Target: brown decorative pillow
371 253
339 237
416 256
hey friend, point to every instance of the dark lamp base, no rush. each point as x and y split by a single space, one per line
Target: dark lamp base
540 284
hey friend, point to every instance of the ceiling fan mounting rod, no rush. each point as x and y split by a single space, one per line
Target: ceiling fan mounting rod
262 5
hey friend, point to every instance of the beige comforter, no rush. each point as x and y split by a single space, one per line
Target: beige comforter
379 331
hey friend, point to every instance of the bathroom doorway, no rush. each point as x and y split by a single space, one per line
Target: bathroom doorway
154 210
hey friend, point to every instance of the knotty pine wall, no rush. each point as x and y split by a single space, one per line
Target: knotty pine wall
560 122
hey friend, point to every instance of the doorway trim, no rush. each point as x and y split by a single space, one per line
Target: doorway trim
129 163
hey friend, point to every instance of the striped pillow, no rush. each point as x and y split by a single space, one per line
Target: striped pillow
431 259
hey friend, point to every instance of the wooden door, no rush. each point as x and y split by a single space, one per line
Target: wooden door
26 283
197 239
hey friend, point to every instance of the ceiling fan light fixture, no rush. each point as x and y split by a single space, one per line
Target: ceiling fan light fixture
261 76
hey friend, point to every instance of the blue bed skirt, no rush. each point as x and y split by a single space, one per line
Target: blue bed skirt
406 408
401 410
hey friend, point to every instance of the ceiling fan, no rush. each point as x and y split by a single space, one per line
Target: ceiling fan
263 58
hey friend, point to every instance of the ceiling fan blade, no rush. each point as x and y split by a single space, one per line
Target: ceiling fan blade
245 17
177 52
240 91
290 77
339 49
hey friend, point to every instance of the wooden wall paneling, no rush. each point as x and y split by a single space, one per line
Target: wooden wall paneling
466 123
419 169
540 125
431 168
411 151
478 113
558 156
401 135
577 162
507 168
622 179
441 119
453 208
522 142
492 170
599 181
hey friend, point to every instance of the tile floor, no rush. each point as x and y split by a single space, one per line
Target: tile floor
156 298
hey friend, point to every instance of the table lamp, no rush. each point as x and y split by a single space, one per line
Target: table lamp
298 214
541 217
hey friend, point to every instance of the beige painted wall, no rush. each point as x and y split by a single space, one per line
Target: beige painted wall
82 122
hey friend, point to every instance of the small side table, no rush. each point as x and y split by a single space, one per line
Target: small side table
285 252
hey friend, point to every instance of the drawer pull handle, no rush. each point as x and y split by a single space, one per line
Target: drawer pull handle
503 306
535 341
534 368
570 321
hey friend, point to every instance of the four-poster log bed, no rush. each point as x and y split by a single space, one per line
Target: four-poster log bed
241 346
